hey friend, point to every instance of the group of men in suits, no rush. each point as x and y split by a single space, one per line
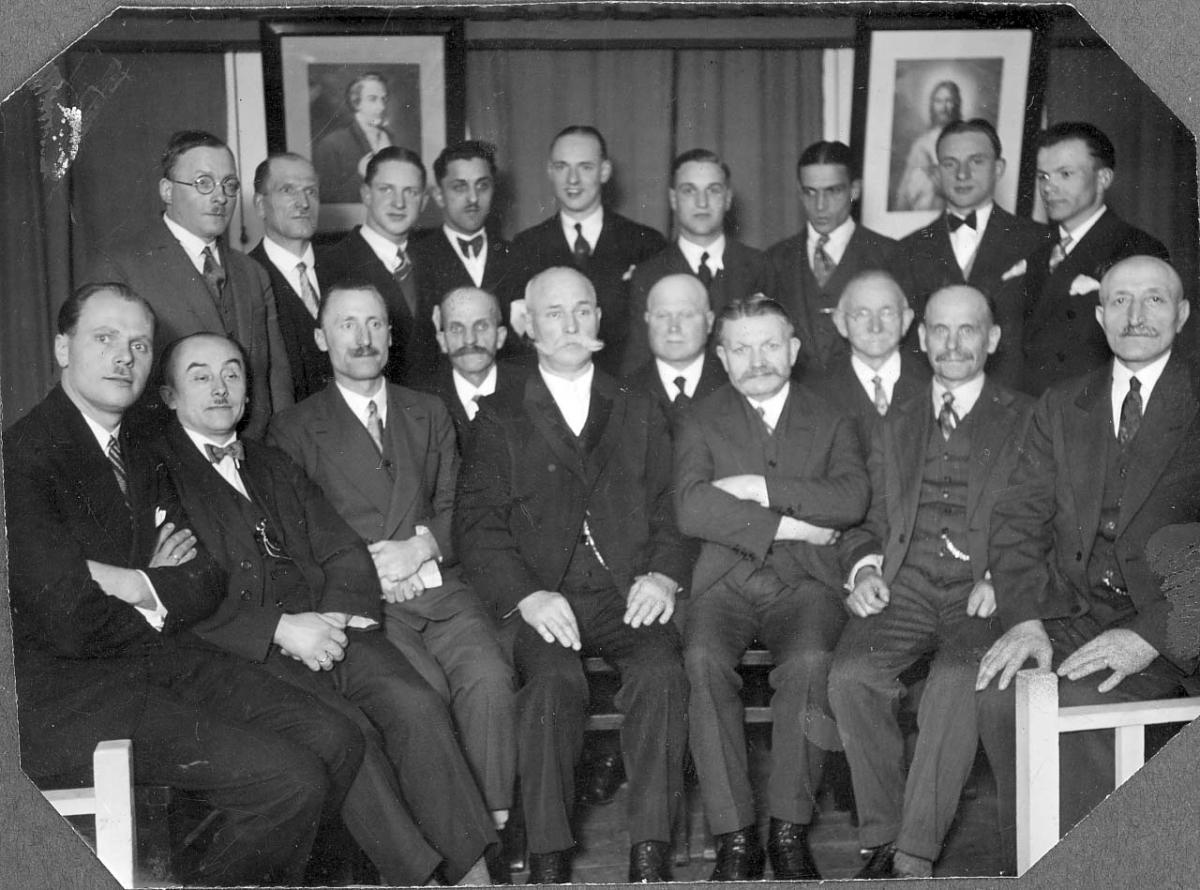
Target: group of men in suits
833 494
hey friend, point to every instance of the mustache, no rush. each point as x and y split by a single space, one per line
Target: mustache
589 343
954 355
469 350
363 352
1139 330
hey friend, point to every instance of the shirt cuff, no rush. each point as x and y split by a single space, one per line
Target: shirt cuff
361 621
424 530
871 559
157 616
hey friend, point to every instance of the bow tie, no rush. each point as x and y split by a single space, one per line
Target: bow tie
955 221
471 247
217 454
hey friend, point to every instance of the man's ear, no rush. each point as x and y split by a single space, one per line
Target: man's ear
501 336
62 346
605 170
167 394
319 336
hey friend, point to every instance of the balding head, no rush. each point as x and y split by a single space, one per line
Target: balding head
958 334
678 319
873 314
1141 309
563 320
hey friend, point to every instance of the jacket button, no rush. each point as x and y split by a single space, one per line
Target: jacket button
247 565
246 595
771 464
902 539
1079 556
1070 314
279 604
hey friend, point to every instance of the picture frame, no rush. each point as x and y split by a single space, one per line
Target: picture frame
916 81
311 70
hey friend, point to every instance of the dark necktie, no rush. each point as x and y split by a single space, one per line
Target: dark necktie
681 396
947 419
823 264
704 273
970 221
307 292
1058 252
375 425
762 413
471 246
1131 413
118 465
216 453
880 398
581 249
214 277
402 273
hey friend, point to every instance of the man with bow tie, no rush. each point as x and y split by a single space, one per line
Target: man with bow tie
303 600
1110 459
975 242
918 583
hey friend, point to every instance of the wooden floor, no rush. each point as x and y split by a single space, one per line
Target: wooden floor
971 850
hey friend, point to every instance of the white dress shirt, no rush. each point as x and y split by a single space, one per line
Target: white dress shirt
573 397
1147 377
888 373
228 467
772 407
591 227
1080 230
473 264
193 245
285 261
964 240
965 396
690 374
469 394
835 247
693 252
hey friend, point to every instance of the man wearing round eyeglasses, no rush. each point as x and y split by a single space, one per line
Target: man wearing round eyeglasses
195 281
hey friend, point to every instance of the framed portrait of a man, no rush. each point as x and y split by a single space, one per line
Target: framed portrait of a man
340 95
920 81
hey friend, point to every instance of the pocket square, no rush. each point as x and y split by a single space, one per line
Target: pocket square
1016 271
160 516
628 276
1083 284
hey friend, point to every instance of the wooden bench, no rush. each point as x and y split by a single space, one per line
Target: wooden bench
1040 721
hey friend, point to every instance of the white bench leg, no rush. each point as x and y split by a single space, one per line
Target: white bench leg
1037 766
116 833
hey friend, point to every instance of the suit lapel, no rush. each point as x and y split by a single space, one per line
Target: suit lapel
549 423
168 254
407 435
989 258
912 428
992 416
347 445
213 494
1168 416
1091 435
606 417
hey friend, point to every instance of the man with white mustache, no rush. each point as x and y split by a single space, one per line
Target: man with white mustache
564 522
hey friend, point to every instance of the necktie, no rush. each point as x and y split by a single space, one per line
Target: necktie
471 246
762 413
704 273
375 425
880 399
1131 413
1058 252
403 265
471 406
681 397
118 465
823 264
402 273
307 292
581 248
214 277
217 454
970 221
947 419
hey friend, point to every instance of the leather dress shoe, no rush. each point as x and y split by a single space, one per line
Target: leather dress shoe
550 868
499 869
739 856
880 865
787 848
648 862
602 780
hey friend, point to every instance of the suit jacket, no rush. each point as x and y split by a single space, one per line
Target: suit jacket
821 478
811 305
897 468
646 380
310 366
924 262
526 488
744 271
155 265
623 244
414 350
82 656
382 502
510 382
1049 519
1060 337
336 573
840 387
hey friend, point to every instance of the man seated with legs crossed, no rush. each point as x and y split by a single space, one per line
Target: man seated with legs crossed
303 600
106 581
767 474
920 585
563 520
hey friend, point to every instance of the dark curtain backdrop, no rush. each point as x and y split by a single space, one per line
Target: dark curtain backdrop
1155 184
758 108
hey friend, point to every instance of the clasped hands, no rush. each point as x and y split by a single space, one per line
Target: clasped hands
651 598
752 487
398 562
1122 651
318 639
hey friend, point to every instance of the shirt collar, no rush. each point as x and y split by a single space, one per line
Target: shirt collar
467 390
383 247
692 253
453 236
773 406
592 224
192 244
839 239
1082 229
888 373
200 440
284 259
358 403
965 396
1148 377
982 215
102 435
690 374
